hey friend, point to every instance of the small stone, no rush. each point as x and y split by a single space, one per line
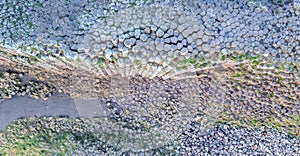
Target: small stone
132 41
121 38
199 42
158 59
160 47
137 33
147 30
205 38
180 37
190 48
196 28
224 51
170 32
174 39
234 44
144 37
184 51
167 47
159 40
173 47
179 46
97 47
153 28
184 42
127 43
167 40
189 39
205 47
257 10
186 33
108 53
176 33
159 33
115 41
173 26
182 20
181 28
200 33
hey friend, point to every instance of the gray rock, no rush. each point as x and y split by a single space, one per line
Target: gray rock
170 32
180 37
167 47
176 33
159 33
144 37
184 42
179 46
167 40
132 41
137 33
127 43
206 47
205 38
174 39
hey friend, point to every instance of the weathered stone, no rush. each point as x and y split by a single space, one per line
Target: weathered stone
206 47
137 33
167 47
179 46
174 39
144 37
159 33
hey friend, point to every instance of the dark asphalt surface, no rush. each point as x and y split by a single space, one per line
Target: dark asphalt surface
57 105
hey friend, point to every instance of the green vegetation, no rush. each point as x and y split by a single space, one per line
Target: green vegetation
297 120
236 75
240 57
30 24
201 63
101 61
289 124
40 144
33 59
114 60
192 61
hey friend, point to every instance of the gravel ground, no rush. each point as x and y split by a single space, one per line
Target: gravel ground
170 54
221 139
225 139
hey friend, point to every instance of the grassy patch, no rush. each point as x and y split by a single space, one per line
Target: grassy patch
114 60
291 125
223 57
192 61
101 61
202 65
40 144
236 75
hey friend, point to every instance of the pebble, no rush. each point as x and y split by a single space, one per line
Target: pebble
159 33
144 37
179 46
137 33
174 39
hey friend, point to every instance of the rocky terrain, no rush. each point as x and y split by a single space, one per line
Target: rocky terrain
165 70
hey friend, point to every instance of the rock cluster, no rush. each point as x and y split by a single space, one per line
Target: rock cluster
224 139
18 84
77 137
160 63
